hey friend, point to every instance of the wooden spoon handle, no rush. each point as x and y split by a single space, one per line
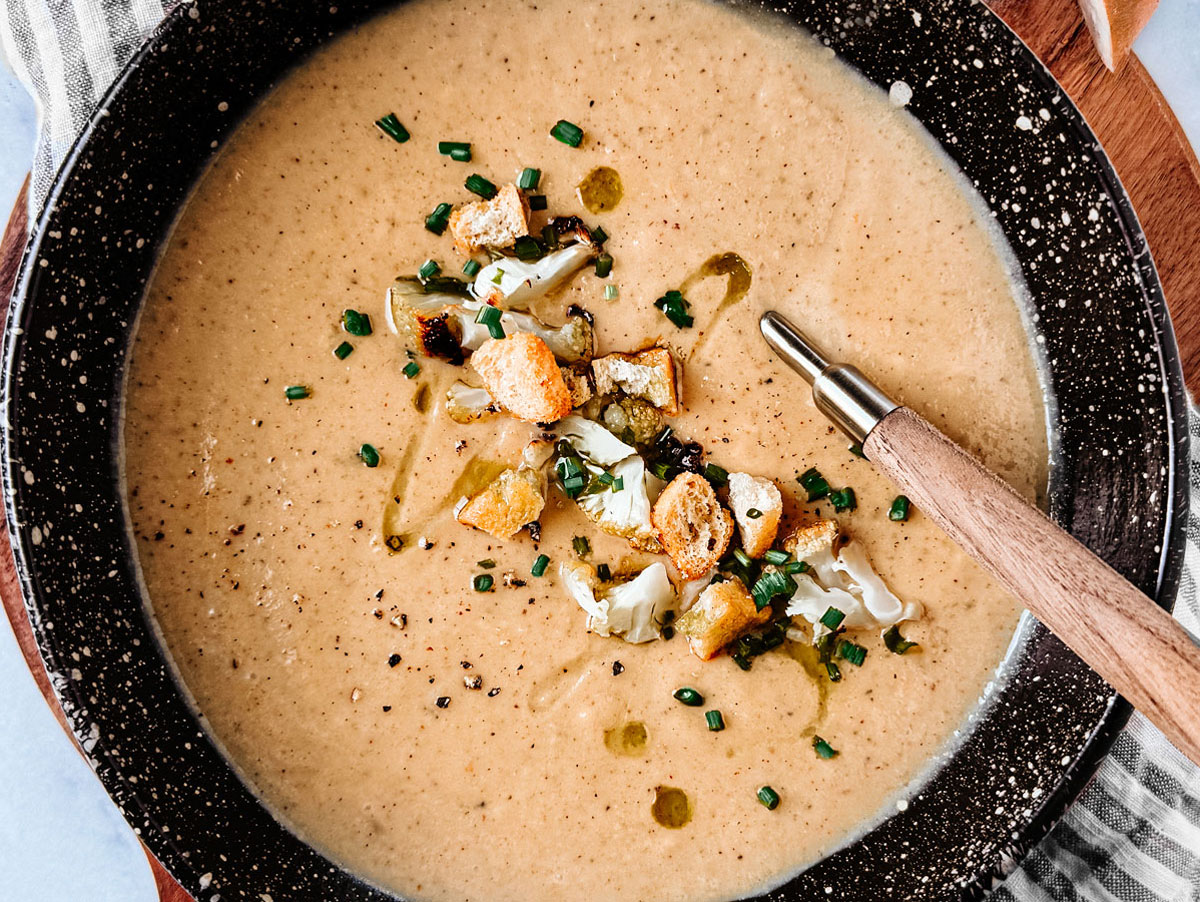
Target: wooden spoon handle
1119 632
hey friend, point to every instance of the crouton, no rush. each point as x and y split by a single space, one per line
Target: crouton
754 493
649 375
578 385
520 372
693 527
491 223
508 502
723 613
812 538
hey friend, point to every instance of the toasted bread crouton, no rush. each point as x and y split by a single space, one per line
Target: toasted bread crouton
491 223
693 527
509 501
812 538
522 375
649 375
723 613
578 385
754 493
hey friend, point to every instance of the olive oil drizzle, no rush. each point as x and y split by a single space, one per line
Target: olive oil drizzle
739 275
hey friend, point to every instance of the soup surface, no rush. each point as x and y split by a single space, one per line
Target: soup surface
334 672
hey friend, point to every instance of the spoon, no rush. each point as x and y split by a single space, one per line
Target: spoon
1118 631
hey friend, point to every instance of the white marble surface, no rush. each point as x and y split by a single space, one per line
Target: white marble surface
60 836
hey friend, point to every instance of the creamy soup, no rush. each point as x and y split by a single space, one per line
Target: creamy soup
336 673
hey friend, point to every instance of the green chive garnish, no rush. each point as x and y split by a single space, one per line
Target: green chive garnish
455 150
477 184
490 316
391 127
369 455
899 509
606 478
716 474
599 236
297 392
814 483
896 643
344 350
581 545
770 584
675 308
540 565
618 484
832 618
833 672
776 557
537 202
437 221
498 277
611 292
567 132
471 268
604 573
604 264
823 748
716 723
741 661
769 797
856 450
411 369
851 652
689 697
753 513
527 249
428 270
483 582
487 563
529 178
742 558
356 323
843 499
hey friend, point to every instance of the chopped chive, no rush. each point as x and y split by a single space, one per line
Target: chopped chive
428 270
604 265
716 723
297 392
856 450
487 563
539 565
833 672
411 369
498 277
455 150
899 509
490 316
688 696
823 748
573 485
796 567
477 184
356 323
567 132
769 585
549 237
832 618
483 582
661 469
769 797
391 127
674 307
716 474
896 643
581 545
814 483
753 513
599 236
344 350
604 573
776 557
611 292
606 478
527 249
471 268
741 661
618 484
529 178
437 221
537 202
742 558
369 455
844 499
851 652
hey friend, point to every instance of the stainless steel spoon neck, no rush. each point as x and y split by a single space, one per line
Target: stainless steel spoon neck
852 401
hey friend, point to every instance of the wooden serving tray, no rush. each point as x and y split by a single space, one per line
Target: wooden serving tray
1126 110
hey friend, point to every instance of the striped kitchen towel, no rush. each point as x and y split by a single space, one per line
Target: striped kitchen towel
1134 834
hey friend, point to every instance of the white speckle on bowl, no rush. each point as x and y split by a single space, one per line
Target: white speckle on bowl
1024 123
900 93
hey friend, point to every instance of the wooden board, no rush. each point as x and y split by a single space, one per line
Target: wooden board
1126 110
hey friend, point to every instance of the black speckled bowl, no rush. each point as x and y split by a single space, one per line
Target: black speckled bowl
1117 418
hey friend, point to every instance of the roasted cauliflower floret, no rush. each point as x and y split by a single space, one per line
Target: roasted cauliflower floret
633 418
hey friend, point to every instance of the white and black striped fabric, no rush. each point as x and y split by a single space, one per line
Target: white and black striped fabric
1134 834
